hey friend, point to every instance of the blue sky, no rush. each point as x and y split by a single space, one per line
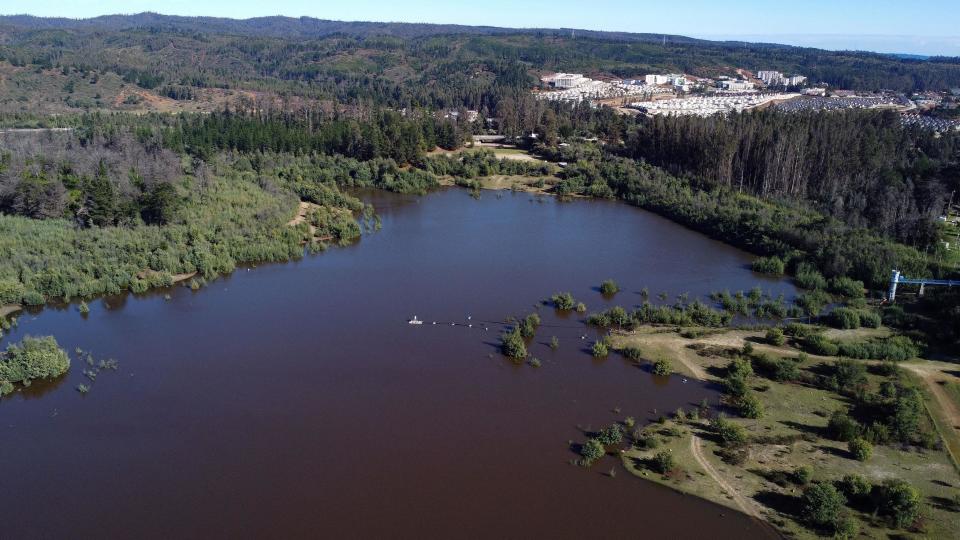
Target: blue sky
922 27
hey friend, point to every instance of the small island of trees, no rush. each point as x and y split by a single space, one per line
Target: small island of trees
32 359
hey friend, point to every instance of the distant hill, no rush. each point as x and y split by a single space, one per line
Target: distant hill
158 62
306 27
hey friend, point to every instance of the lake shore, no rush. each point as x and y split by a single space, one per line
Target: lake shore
9 309
790 410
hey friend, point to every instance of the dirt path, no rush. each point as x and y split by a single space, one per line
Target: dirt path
745 505
695 370
932 374
301 216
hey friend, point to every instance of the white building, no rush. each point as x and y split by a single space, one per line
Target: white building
736 86
569 80
770 77
796 80
669 78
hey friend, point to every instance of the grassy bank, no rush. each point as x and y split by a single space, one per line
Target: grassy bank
790 434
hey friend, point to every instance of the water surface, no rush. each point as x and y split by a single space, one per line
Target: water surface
293 400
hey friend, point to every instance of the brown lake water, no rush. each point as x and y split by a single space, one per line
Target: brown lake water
294 401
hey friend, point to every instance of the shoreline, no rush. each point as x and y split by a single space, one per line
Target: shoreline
9 309
702 473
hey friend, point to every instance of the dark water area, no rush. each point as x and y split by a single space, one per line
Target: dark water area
295 401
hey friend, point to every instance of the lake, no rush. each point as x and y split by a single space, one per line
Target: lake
294 400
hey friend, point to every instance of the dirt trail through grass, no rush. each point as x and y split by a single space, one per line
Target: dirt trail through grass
742 503
947 413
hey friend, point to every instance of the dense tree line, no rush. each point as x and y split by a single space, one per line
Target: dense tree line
109 209
107 178
386 134
795 234
861 167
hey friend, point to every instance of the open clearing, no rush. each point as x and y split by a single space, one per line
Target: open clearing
499 150
790 435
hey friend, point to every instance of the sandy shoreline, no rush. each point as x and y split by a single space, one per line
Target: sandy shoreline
10 308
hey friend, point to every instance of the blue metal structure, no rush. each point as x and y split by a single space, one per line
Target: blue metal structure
896 278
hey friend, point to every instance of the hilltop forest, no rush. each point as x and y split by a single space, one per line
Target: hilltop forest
183 63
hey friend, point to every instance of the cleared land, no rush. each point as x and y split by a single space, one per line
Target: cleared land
499 150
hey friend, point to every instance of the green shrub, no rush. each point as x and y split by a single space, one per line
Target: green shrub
611 434
870 319
813 302
84 308
735 386
662 367
512 344
648 442
563 301
528 326
819 344
600 349
663 462
800 330
846 528
845 318
802 475
769 265
609 287
846 287
861 449
842 428
821 505
855 486
731 435
11 291
33 298
900 502
896 348
740 367
807 277
775 336
749 406
632 353
592 450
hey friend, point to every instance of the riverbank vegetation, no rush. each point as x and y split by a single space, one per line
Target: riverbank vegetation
112 213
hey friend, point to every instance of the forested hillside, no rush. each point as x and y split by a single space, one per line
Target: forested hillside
187 63
861 167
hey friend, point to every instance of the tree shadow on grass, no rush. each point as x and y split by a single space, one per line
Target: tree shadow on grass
835 451
943 503
778 477
804 428
787 505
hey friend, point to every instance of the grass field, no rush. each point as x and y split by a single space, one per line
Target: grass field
787 436
500 151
